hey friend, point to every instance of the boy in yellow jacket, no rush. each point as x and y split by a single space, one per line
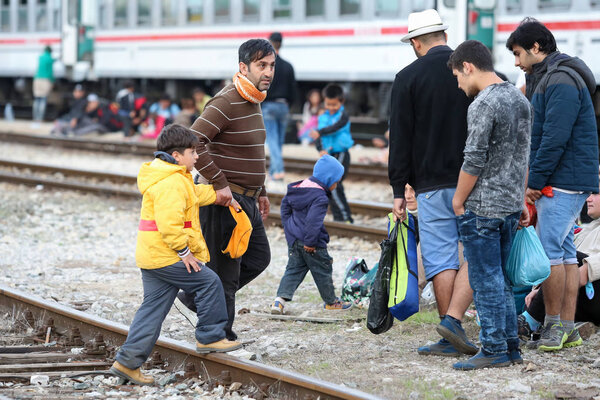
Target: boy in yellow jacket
172 253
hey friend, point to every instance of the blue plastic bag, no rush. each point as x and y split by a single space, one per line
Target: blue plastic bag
527 263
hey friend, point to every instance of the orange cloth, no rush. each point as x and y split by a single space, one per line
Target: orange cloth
247 90
547 191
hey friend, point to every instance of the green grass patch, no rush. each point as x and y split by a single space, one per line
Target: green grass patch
424 317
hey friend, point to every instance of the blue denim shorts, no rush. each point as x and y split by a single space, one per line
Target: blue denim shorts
438 231
556 218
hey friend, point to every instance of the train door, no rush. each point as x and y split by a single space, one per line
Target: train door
78 18
468 19
480 21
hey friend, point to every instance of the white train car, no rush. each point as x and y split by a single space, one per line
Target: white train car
574 23
351 41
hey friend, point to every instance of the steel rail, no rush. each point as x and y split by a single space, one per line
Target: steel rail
372 173
285 384
334 228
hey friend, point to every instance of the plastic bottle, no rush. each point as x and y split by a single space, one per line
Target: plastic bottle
428 295
8 113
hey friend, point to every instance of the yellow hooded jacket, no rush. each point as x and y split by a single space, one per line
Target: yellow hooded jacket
169 216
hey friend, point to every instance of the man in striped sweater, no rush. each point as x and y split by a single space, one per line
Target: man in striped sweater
231 157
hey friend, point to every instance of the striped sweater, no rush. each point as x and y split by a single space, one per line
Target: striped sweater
232 141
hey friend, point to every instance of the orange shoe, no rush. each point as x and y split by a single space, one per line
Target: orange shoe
222 346
131 375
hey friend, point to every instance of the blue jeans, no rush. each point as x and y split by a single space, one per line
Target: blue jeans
556 219
438 231
320 265
39 108
487 243
275 116
160 289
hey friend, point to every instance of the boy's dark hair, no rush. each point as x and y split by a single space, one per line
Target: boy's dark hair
164 96
254 49
128 84
48 49
333 91
529 32
175 137
474 52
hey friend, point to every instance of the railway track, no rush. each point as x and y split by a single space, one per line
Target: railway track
108 183
64 328
372 173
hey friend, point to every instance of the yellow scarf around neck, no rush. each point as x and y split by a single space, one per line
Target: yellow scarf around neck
247 90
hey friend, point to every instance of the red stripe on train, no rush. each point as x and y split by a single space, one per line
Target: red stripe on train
392 30
556 26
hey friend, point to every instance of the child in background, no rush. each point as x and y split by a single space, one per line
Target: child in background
188 115
303 210
169 246
333 137
310 116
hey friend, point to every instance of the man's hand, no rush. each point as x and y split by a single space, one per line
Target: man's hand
224 197
530 297
236 205
73 122
458 207
399 209
314 134
309 249
532 195
524 220
191 261
264 206
322 153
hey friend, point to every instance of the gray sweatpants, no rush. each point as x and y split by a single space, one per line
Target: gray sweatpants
160 289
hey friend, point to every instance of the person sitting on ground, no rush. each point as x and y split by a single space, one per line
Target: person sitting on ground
162 113
188 114
133 108
310 116
97 117
587 243
67 122
172 253
333 137
303 210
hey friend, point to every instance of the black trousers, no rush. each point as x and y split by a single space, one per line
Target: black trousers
339 205
234 273
586 310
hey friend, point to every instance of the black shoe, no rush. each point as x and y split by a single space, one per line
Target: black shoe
187 300
524 331
230 335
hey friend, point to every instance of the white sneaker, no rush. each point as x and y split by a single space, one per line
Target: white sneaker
277 307
186 312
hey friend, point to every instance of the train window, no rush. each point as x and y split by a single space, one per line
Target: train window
195 11
450 3
144 12
387 8
222 10
315 8
22 23
554 4
55 10
349 7
420 5
251 10
41 15
595 3
168 13
120 20
282 9
513 6
5 15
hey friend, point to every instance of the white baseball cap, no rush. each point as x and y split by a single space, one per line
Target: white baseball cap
421 23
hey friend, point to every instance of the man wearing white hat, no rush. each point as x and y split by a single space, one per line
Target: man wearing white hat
428 130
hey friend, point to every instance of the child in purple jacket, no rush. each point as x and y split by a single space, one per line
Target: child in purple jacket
303 210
